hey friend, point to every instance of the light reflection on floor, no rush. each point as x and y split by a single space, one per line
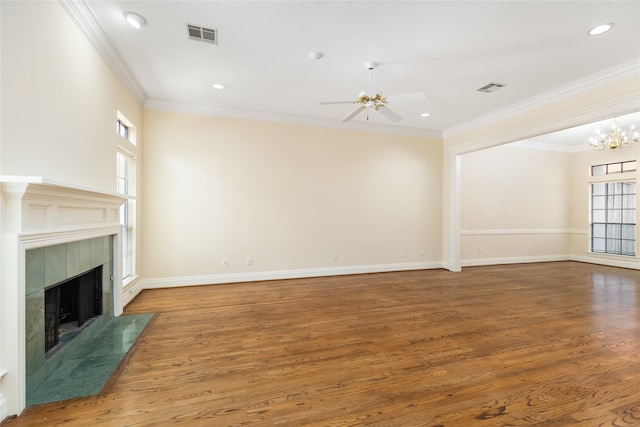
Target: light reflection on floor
615 306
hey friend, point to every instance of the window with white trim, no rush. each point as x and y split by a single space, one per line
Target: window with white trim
125 180
126 213
613 217
122 129
613 168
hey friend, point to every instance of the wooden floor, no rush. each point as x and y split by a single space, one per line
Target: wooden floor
554 344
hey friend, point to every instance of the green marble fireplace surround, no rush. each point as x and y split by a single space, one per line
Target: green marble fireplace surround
53 231
48 266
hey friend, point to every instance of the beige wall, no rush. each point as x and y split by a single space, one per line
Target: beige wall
515 205
59 99
288 196
520 204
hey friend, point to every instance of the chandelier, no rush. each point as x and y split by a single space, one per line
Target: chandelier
616 138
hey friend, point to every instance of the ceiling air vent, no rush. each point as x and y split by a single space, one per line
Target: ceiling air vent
208 35
490 87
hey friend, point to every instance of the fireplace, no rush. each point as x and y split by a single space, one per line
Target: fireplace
70 306
69 292
53 233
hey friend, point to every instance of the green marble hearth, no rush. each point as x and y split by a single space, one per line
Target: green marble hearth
89 370
46 267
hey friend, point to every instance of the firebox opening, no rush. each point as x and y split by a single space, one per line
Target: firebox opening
70 306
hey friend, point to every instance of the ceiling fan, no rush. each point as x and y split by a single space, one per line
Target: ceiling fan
371 99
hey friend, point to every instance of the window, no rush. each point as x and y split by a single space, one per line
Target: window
122 129
126 218
125 184
612 168
613 217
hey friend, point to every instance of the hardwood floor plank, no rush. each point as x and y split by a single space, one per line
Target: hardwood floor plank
553 344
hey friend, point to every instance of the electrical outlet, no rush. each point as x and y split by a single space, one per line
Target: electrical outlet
421 252
249 260
401 254
224 262
334 256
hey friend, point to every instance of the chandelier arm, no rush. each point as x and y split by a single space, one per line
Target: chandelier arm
616 138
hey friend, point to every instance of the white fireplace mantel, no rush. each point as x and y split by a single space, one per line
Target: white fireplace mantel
39 212
51 205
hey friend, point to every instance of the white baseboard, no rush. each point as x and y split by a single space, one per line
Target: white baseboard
513 260
130 291
214 279
4 410
623 262
612 261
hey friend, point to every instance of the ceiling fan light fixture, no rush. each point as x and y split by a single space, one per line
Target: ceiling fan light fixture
600 29
218 86
135 20
374 100
425 114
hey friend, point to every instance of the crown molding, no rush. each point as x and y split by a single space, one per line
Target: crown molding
208 110
625 104
532 144
81 14
621 71
83 17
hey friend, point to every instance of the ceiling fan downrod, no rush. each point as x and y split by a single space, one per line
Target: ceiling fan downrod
370 66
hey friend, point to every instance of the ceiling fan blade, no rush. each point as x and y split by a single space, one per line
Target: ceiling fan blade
388 113
335 102
406 97
354 113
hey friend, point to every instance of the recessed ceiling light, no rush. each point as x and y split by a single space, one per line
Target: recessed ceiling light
218 86
600 29
425 114
135 20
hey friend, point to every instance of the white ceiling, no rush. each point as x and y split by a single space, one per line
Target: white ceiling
446 49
